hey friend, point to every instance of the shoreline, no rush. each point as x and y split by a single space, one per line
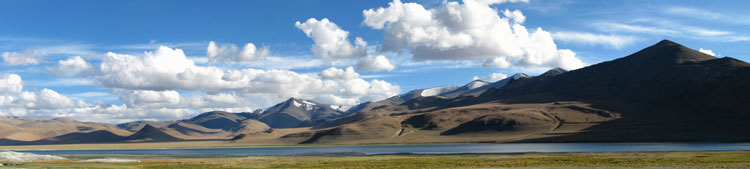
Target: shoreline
405 149
227 144
518 160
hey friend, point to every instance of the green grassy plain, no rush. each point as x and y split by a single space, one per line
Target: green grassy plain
525 160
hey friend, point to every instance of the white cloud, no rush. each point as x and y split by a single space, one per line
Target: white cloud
708 15
516 15
342 74
492 77
230 52
705 32
331 42
47 103
284 62
72 66
663 27
614 41
169 69
44 99
707 51
28 58
174 100
374 64
472 30
618 27
10 84
62 82
91 94
500 1
66 49
498 62
738 38
137 98
123 113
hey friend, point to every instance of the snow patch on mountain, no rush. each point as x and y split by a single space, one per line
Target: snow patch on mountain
342 108
308 102
476 84
437 90
519 76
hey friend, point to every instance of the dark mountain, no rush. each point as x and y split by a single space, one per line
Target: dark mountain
190 129
219 119
98 136
664 92
151 133
555 71
297 113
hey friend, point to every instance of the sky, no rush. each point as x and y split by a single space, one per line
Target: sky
120 61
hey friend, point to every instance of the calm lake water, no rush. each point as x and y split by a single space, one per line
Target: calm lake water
430 149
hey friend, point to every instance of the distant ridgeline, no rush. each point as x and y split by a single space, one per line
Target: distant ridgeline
666 92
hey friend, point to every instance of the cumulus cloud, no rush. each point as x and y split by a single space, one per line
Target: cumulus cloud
498 62
614 41
47 103
174 100
707 51
230 52
468 30
331 42
492 77
123 113
30 57
10 84
336 73
516 15
44 99
72 66
374 64
169 69
137 98
151 87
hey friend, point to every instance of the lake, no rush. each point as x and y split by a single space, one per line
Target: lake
428 149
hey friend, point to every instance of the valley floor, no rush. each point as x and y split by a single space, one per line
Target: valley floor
146 145
526 160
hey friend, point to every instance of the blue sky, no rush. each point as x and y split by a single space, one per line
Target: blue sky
36 37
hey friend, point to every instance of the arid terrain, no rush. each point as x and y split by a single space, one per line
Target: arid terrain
664 93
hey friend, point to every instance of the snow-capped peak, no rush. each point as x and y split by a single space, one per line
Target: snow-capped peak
476 84
437 90
307 105
518 76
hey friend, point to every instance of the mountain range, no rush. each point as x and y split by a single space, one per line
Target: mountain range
665 92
